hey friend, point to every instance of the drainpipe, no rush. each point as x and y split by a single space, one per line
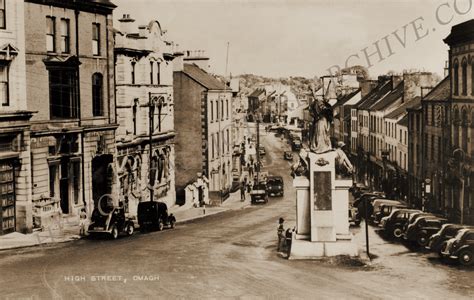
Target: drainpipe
76 15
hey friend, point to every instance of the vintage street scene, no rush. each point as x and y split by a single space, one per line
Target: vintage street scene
236 149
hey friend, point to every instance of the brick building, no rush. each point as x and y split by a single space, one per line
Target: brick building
70 85
145 113
203 119
15 176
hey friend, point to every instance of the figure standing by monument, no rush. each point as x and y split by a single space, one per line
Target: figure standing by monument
322 114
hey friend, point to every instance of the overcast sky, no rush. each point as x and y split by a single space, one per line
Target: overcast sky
306 37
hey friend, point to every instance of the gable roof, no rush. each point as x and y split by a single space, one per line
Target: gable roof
390 98
258 92
440 92
382 88
203 78
347 97
402 109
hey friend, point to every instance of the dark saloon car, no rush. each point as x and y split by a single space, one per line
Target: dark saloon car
386 210
287 155
111 221
461 247
393 224
275 186
296 145
154 215
447 231
422 229
261 150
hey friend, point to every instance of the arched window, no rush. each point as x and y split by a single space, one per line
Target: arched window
464 76
456 78
472 77
151 72
456 127
464 124
97 95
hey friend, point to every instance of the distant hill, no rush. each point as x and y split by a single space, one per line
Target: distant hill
248 82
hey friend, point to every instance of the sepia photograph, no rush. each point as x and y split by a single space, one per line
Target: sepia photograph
236 149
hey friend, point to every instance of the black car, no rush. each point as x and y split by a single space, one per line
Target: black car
461 247
259 193
422 229
296 145
393 224
154 215
386 210
438 240
368 198
275 186
111 221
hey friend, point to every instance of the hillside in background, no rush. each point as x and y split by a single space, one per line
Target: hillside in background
248 82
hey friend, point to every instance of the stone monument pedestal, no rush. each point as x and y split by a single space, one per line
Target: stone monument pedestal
322 204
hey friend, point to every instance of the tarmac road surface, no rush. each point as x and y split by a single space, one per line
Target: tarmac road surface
229 255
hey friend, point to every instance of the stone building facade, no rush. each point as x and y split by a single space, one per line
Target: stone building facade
70 86
203 118
15 173
145 113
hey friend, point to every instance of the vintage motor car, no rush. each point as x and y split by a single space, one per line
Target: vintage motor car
296 145
154 215
423 228
275 186
377 204
393 224
412 219
461 247
111 221
366 198
386 210
287 155
438 240
259 193
261 151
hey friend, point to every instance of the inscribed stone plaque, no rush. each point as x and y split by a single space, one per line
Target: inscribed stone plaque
322 190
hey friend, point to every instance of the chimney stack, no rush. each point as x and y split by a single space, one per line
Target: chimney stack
126 24
197 57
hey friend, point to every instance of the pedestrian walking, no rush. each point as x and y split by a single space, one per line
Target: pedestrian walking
281 236
82 222
242 191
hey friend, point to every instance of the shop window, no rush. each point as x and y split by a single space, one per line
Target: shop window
50 34
7 197
95 39
3 21
97 95
65 36
63 93
4 93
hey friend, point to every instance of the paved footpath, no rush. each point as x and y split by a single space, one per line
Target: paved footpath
66 229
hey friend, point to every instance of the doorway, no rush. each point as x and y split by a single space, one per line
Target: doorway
101 177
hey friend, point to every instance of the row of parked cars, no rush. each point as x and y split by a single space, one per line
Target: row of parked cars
415 228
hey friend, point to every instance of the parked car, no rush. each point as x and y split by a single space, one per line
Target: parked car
261 150
275 186
386 210
154 215
461 247
393 224
412 219
360 203
111 221
354 217
423 228
437 241
296 145
259 193
377 204
357 192
287 155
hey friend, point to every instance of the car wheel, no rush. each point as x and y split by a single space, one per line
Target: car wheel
397 232
130 229
114 232
466 257
160 225
422 239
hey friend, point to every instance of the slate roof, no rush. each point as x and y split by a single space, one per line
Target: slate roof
402 109
403 121
203 78
389 98
257 92
460 33
440 92
374 95
347 97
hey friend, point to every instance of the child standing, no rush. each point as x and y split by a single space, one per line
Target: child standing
82 222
